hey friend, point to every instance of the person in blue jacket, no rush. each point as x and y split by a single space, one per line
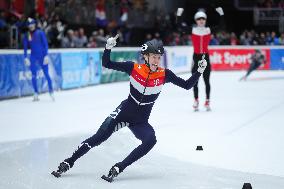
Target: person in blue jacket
35 39
146 82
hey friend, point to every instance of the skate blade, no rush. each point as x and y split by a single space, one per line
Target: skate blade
52 98
56 174
208 109
108 179
196 110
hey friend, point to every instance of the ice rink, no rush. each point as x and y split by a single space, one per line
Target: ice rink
242 137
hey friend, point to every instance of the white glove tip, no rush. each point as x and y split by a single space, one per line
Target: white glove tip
117 35
179 11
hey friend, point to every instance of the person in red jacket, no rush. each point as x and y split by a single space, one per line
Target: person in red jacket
201 35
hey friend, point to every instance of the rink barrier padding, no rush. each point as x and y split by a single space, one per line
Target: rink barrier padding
74 68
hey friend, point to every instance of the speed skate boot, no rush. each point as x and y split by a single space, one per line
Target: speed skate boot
207 105
63 167
195 105
244 78
52 96
113 172
35 98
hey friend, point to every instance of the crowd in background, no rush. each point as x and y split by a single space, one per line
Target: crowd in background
227 38
270 3
66 29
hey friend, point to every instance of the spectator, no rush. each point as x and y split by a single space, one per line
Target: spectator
176 39
233 39
261 40
268 38
186 40
255 39
281 4
100 38
123 12
121 39
245 38
224 38
81 40
92 43
3 31
274 39
281 39
148 37
55 32
92 40
68 41
269 4
213 40
158 37
101 19
3 23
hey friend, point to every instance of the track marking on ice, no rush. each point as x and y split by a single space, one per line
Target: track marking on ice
255 118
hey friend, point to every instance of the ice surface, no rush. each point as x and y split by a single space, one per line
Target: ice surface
242 137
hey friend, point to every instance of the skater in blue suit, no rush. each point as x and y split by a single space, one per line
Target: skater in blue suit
35 39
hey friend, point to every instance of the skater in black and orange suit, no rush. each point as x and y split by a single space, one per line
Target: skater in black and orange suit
146 82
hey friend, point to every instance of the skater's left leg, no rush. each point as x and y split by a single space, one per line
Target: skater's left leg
195 87
46 74
251 69
111 124
254 66
206 77
104 132
193 70
146 134
33 68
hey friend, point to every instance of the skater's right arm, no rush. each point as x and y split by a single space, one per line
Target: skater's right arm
119 66
221 24
181 25
25 44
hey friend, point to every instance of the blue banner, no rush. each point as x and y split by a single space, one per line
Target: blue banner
9 75
15 77
94 68
277 59
80 69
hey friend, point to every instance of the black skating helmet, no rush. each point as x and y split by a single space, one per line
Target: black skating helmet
154 46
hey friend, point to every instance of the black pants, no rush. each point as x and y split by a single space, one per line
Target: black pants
206 74
253 67
119 118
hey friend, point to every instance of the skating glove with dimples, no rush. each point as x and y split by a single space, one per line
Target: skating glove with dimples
201 65
27 62
220 11
111 42
179 11
45 60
